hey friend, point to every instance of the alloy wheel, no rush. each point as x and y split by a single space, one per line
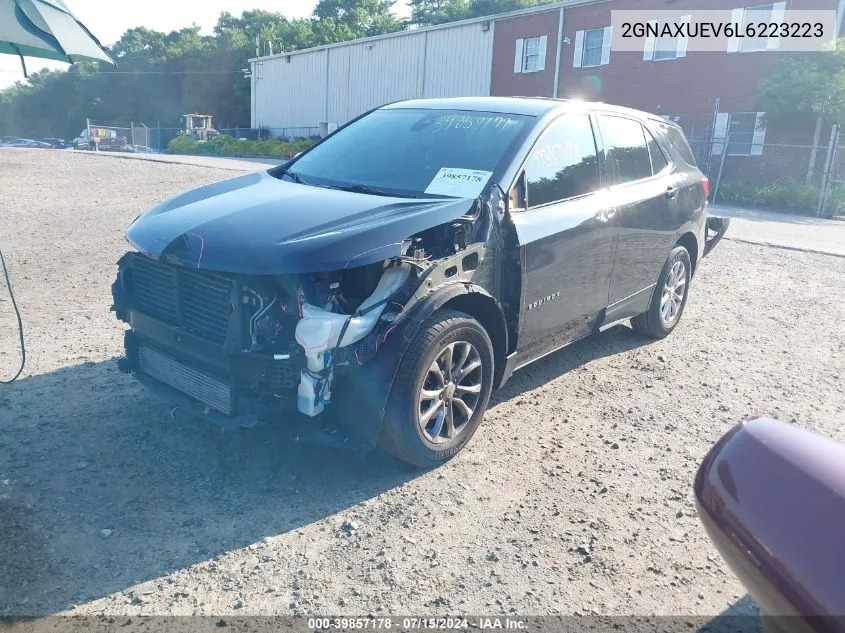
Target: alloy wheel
450 392
673 294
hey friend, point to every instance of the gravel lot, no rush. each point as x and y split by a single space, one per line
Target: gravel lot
574 496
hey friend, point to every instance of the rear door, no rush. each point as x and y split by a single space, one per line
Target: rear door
566 238
645 198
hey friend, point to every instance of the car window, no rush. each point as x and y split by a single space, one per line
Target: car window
415 151
625 146
675 139
658 159
563 163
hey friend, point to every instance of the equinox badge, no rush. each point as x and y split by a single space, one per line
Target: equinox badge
552 297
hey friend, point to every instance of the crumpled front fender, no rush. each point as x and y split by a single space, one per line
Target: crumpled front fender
363 395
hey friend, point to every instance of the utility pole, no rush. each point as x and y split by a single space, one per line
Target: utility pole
828 167
724 155
814 152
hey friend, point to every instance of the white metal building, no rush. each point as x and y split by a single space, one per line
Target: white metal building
327 86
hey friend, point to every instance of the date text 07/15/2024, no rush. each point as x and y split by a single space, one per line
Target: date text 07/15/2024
419 623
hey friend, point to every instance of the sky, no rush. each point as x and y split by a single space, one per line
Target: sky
108 19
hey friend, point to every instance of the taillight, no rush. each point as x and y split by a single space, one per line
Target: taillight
705 185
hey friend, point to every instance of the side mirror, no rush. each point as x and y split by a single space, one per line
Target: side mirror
518 198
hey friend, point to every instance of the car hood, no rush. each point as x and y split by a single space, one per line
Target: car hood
257 224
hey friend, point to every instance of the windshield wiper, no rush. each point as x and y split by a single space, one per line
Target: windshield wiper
293 176
357 188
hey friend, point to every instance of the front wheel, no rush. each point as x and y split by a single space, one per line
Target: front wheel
669 297
441 390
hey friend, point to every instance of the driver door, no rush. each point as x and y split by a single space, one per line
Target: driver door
567 238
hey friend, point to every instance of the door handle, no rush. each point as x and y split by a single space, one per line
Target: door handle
670 192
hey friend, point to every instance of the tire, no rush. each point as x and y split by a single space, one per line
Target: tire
666 308
426 442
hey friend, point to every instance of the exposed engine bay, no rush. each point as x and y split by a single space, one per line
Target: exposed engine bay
253 347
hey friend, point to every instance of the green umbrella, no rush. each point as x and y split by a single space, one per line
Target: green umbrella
47 28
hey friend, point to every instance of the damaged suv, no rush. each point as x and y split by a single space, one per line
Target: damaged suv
375 289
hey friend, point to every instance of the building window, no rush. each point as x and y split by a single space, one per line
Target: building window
741 133
744 133
756 15
765 14
666 46
530 55
592 47
593 40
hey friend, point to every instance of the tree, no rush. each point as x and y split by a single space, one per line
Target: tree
806 83
352 19
479 8
430 12
161 76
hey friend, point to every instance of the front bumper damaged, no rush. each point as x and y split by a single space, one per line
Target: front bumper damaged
353 422
714 231
355 356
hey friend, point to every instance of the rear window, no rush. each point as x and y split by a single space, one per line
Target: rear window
625 144
658 160
674 138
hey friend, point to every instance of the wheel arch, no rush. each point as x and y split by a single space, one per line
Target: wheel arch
484 309
689 242
476 302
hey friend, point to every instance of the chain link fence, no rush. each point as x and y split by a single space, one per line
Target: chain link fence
776 162
160 137
744 170
141 137
287 134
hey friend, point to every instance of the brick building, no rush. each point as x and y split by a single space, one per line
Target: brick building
558 50
706 92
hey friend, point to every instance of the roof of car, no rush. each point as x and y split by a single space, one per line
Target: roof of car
532 106
504 105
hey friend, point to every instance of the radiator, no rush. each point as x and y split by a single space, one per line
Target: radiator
209 390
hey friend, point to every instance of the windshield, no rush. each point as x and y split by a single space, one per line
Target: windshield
413 152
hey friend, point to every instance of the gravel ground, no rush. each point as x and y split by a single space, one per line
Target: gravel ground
573 497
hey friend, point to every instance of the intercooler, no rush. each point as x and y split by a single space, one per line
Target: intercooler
207 389
199 301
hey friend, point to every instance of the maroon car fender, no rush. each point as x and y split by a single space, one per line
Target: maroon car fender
772 499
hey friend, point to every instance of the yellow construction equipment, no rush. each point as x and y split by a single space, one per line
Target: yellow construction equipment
198 127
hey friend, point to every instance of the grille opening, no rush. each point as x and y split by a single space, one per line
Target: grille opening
199 301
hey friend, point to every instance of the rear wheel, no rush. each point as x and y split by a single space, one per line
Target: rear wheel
441 390
669 297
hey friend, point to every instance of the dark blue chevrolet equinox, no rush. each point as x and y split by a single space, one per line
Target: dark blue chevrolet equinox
376 288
